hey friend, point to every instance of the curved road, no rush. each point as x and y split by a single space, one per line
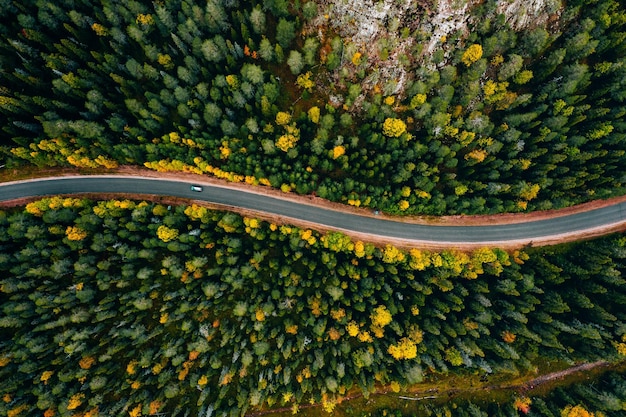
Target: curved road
445 235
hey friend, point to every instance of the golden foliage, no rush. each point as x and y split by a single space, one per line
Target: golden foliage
477 155
395 386
415 334
75 401
356 58
259 315
305 82
4 360
286 142
380 316
529 191
497 60
155 406
621 348
87 362
145 19
17 410
393 127
307 235
328 405
314 114
166 234
405 349
315 305
365 336
489 88
131 368
49 413
232 81
227 379
389 100
472 54
403 205
99 29
359 249
352 328
417 100
292 329
105 162
522 404
391 254
338 151
75 233
334 334
282 118
224 150
45 376
164 59
37 208
576 411
508 337
135 412
419 260
338 314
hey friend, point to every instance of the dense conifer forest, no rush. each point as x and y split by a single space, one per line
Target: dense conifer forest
122 306
130 307
492 119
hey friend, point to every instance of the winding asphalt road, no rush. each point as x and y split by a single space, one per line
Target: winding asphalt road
613 215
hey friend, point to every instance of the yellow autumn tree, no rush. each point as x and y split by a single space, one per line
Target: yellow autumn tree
304 81
45 376
87 362
99 29
338 151
282 118
472 54
380 316
417 100
404 349
529 191
359 249
314 114
576 411
508 337
353 328
419 260
393 127
286 142
136 411
14 412
477 155
75 401
75 233
155 406
145 19
166 234
391 254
